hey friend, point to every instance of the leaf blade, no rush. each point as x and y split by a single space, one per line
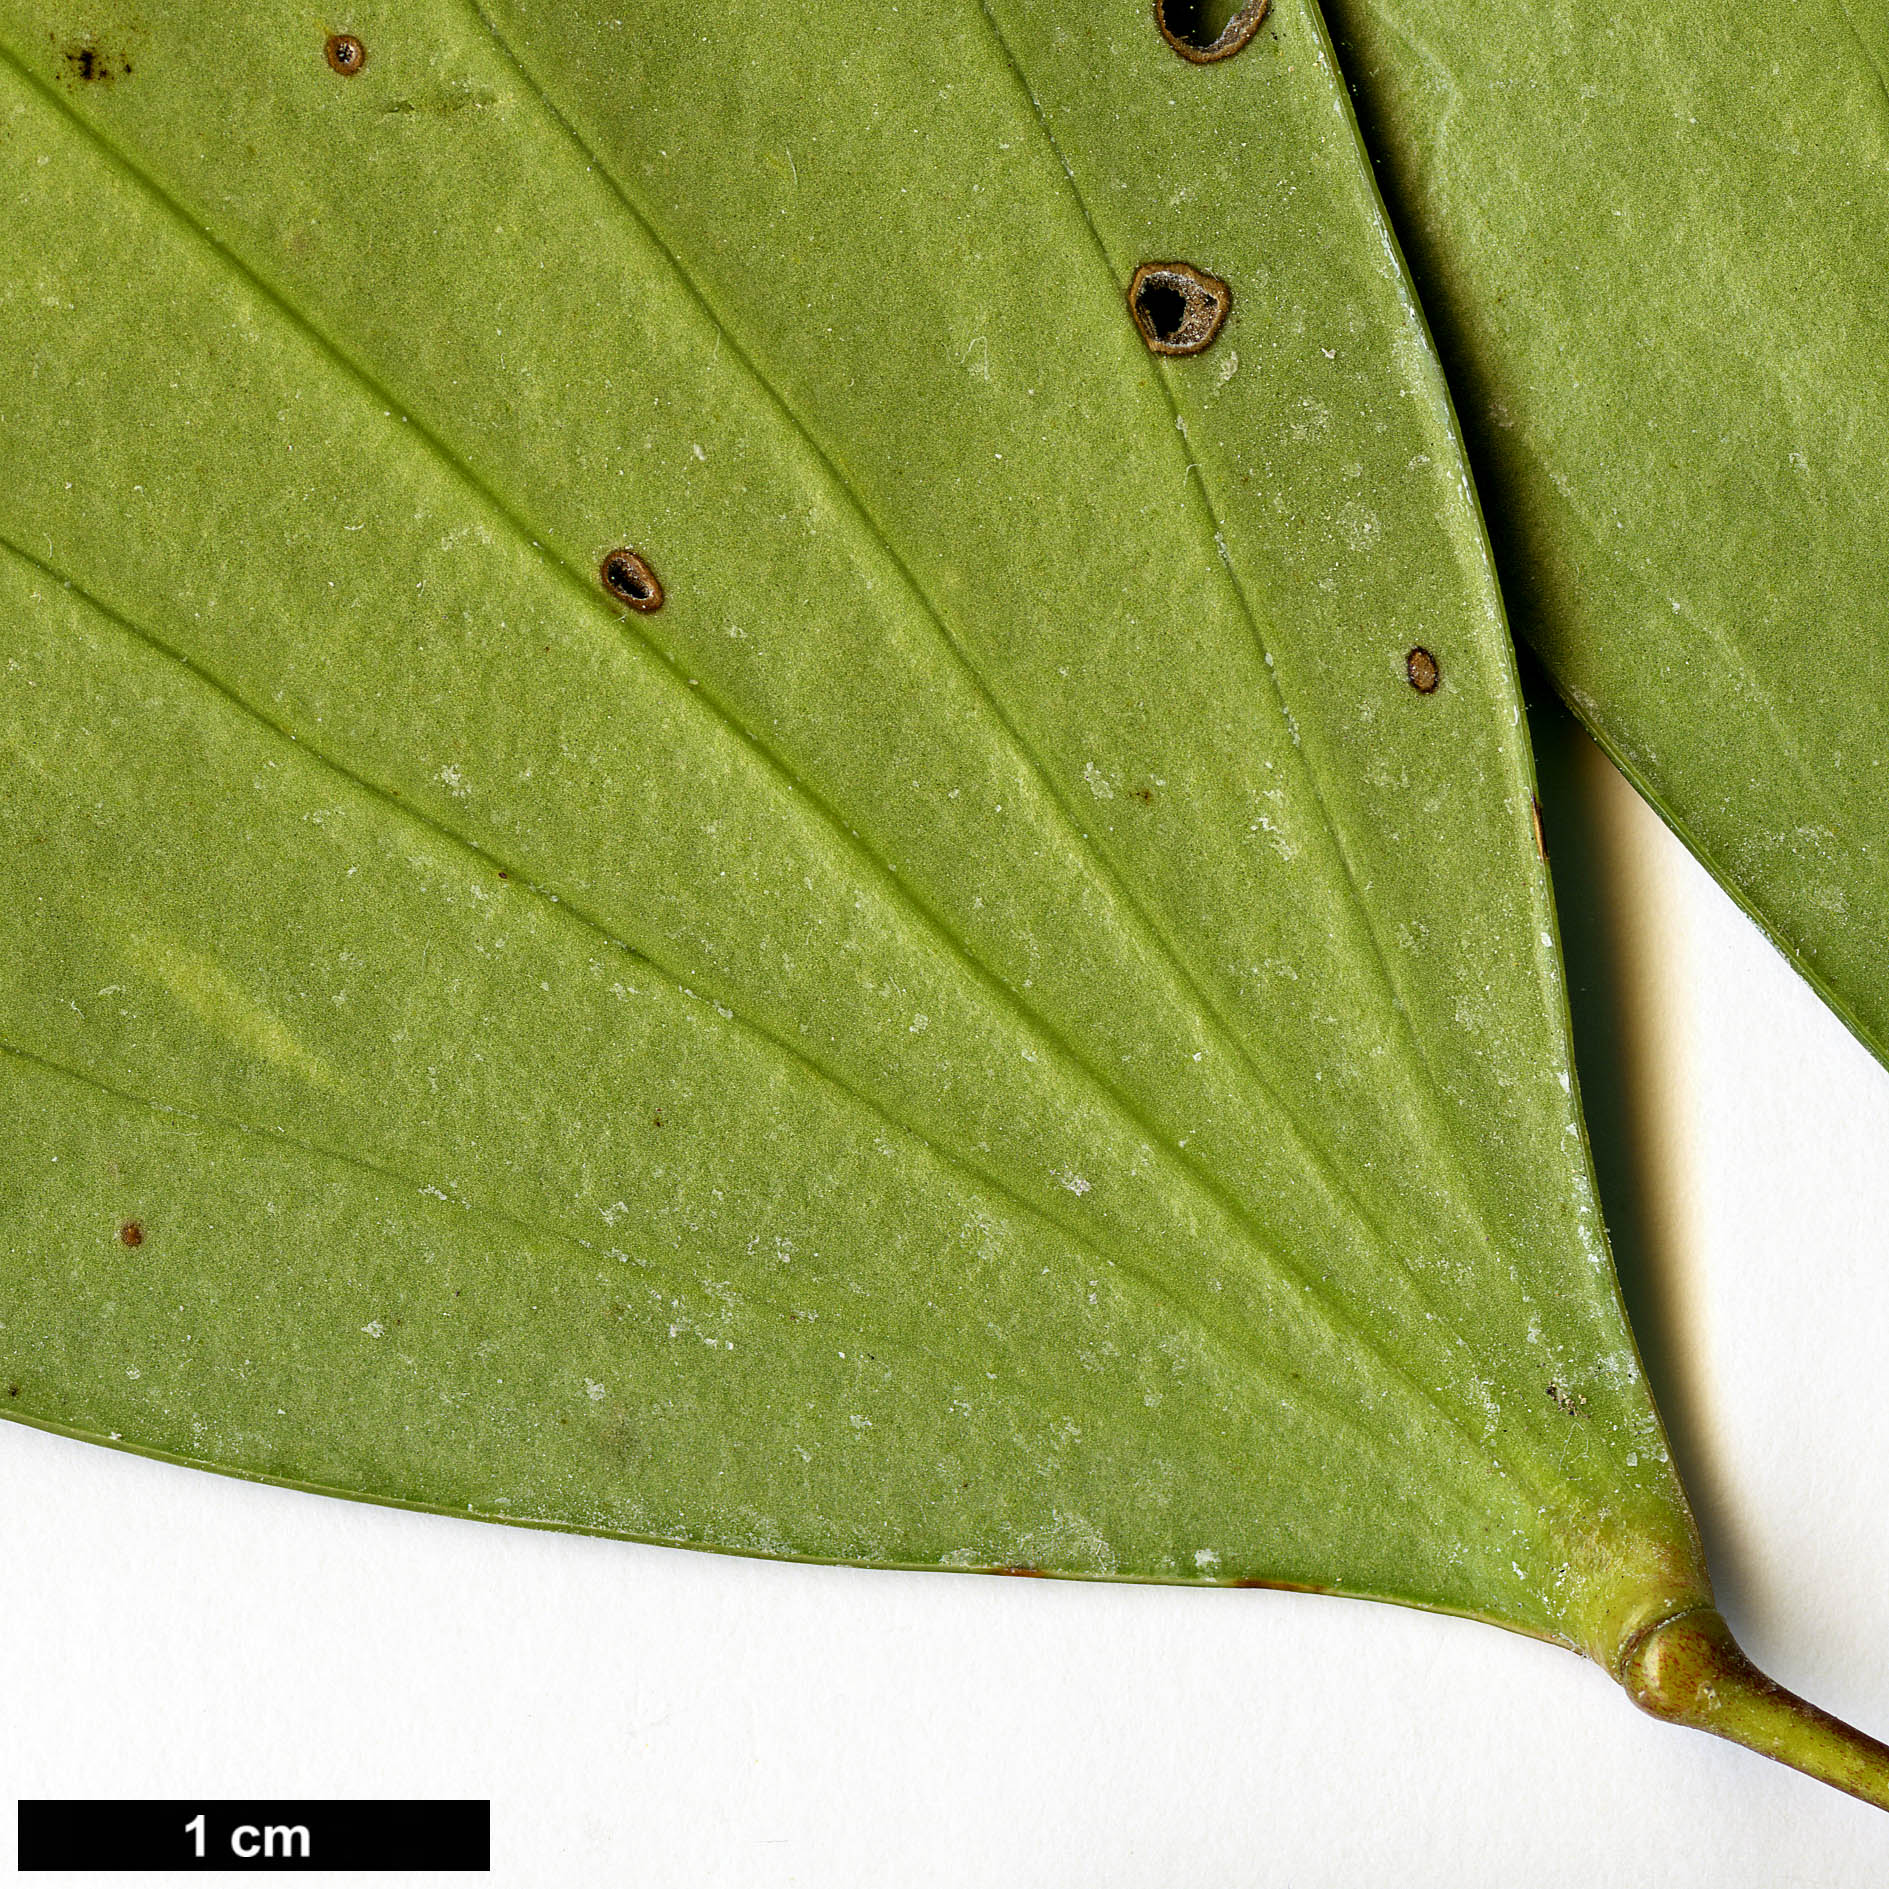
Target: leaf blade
1657 300
1298 952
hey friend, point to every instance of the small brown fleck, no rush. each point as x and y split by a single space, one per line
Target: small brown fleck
13 1390
1421 667
1022 1573
132 1233
90 66
657 1118
1178 308
503 874
1185 26
346 54
1145 795
1541 838
628 578
1286 1587
1568 1401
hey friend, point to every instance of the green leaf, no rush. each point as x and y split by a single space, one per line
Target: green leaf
1652 243
1013 1023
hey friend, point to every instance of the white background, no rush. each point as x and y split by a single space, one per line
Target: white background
647 1717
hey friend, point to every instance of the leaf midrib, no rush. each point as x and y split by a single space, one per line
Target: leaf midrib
1100 864
1098 861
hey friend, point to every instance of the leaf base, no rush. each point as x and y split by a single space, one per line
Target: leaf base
1690 1671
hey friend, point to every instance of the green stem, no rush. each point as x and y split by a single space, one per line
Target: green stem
1689 1670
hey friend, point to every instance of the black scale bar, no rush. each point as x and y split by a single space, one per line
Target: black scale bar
187 1833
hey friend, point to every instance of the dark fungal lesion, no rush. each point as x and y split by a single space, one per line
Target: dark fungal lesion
1422 670
345 54
1203 33
88 63
627 576
132 1233
1178 308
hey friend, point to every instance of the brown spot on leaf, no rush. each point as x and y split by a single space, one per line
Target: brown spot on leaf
1178 308
1567 1401
90 64
628 578
1422 669
132 1233
345 54
13 1390
1145 795
1187 27
1023 1573
1283 1587
1534 818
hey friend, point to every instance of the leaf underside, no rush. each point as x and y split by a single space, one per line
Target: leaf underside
995 1029
1652 242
